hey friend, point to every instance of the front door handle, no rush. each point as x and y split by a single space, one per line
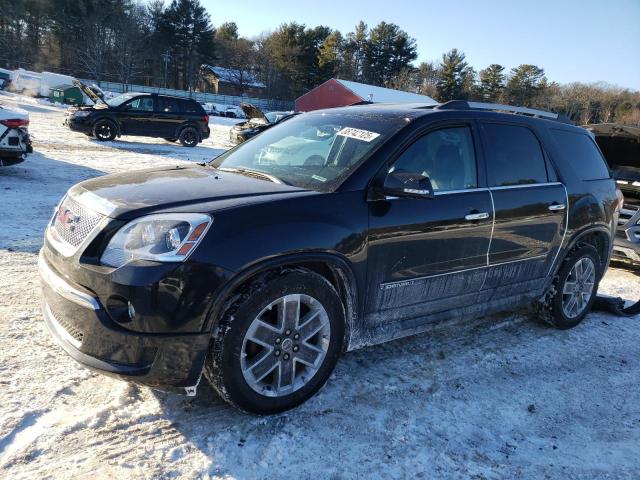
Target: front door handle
477 216
554 207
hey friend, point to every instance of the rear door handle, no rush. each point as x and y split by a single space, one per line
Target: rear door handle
554 207
477 216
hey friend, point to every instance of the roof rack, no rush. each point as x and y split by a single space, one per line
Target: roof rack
496 107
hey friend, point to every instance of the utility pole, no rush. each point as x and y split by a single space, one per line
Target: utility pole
165 58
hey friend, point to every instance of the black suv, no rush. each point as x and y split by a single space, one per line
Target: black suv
142 114
334 230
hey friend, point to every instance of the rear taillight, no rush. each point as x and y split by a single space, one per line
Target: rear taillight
620 199
206 118
14 122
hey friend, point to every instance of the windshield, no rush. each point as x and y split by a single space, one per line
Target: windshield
120 99
314 150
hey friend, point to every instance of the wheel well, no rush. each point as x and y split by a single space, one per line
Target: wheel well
339 277
600 241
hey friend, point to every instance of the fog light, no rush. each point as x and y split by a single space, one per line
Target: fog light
132 311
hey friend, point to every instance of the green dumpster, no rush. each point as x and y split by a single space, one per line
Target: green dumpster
67 94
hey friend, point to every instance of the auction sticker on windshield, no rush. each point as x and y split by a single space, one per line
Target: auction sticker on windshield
358 134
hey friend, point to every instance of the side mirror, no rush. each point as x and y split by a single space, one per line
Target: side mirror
408 184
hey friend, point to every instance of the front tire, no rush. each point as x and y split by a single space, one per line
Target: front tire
576 288
278 343
104 130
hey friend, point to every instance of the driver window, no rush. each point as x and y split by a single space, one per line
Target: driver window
446 156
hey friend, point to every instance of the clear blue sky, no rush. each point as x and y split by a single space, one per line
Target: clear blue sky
588 40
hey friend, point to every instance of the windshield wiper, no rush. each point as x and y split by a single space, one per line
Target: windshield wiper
253 173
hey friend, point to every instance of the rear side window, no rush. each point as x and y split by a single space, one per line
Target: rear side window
514 156
169 105
191 107
580 151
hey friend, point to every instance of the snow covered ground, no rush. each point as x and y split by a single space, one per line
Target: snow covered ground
496 398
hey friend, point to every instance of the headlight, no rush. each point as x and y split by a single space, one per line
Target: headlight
81 113
165 237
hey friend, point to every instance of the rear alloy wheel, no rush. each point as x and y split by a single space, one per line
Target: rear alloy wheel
104 130
279 343
576 287
189 137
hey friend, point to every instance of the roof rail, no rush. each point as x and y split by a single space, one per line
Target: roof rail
464 105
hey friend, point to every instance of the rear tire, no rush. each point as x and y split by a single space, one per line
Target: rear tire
189 137
104 130
278 343
576 288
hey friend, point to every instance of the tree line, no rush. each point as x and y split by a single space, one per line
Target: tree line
162 44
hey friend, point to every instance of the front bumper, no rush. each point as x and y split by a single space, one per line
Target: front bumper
82 327
82 124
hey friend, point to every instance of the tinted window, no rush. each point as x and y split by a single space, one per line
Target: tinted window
514 155
169 105
189 106
580 151
141 104
446 156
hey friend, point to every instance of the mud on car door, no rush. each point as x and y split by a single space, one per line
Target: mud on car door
430 255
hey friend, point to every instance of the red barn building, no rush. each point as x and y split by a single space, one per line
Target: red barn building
340 93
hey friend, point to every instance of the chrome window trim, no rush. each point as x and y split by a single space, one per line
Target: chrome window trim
384 286
62 288
526 185
467 190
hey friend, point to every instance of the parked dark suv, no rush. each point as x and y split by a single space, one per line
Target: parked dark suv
260 271
142 114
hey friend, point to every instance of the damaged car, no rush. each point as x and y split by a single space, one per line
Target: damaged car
257 122
15 142
141 114
257 272
620 145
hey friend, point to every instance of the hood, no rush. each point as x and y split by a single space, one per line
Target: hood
251 111
126 195
620 145
89 93
13 113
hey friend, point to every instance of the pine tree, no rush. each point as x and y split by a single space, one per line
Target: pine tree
492 83
524 84
454 76
390 50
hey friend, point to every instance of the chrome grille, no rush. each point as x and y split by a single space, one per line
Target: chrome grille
73 223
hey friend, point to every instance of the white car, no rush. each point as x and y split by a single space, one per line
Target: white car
15 143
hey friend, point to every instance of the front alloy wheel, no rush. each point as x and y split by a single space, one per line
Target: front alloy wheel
278 343
285 345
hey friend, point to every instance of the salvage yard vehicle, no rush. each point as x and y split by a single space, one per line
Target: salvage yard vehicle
141 114
620 145
259 274
15 142
258 122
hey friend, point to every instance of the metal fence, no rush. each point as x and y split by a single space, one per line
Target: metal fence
262 103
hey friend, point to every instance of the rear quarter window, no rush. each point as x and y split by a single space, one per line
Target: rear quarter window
580 151
191 107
